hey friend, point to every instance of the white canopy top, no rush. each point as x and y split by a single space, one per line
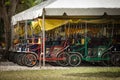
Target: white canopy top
71 8
85 4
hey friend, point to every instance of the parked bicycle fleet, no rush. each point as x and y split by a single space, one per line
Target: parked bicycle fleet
81 42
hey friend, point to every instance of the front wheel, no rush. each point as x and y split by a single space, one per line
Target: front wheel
115 59
74 60
30 59
63 59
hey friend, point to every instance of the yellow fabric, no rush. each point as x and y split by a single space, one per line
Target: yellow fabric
18 30
52 23
36 27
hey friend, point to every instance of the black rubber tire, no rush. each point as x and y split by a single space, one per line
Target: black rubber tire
52 63
75 60
19 59
107 61
11 56
115 59
64 62
30 59
16 57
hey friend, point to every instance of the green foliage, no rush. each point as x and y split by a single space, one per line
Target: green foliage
7 3
25 4
38 1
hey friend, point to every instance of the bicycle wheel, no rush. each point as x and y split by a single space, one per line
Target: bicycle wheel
19 59
106 59
74 60
115 59
30 59
64 59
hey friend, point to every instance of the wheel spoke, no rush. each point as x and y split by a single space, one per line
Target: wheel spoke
65 57
116 59
30 60
74 60
106 59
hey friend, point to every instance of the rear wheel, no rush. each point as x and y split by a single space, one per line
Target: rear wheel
63 59
30 59
15 57
11 56
19 59
115 59
74 60
106 59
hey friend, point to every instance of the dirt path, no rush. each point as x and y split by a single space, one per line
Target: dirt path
9 66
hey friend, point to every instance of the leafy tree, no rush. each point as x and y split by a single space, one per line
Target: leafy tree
8 9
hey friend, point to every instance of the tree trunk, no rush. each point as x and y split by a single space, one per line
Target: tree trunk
6 26
6 14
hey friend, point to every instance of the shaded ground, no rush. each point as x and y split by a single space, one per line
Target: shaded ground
96 74
71 73
8 66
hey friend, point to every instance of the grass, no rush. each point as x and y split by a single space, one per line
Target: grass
74 73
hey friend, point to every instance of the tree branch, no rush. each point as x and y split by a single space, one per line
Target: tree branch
1 12
1 2
12 8
1 8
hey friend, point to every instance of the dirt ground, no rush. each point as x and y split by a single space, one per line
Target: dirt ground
8 66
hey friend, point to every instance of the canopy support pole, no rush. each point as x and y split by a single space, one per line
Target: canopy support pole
18 25
86 39
112 29
26 29
43 30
